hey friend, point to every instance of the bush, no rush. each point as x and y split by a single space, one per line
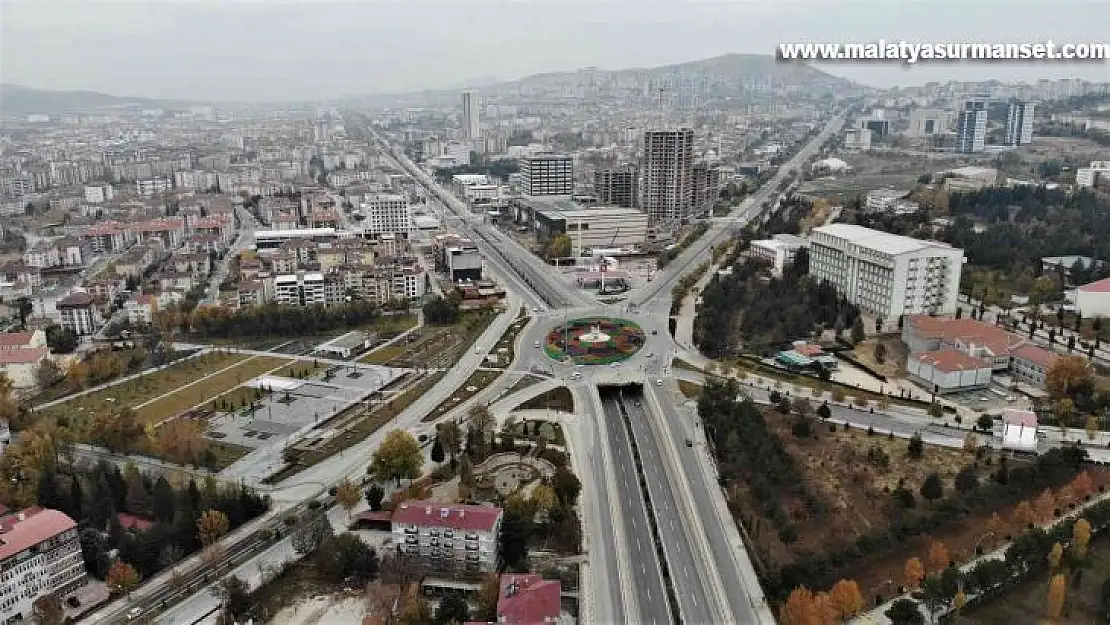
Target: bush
802 428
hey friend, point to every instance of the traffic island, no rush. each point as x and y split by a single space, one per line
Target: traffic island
594 340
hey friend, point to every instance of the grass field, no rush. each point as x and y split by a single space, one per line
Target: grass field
144 388
689 389
477 381
215 384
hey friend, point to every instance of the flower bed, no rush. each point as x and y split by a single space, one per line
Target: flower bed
623 338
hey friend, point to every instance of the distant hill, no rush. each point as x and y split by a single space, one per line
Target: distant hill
17 99
730 71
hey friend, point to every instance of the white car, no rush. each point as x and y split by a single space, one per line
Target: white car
659 382
537 344
134 613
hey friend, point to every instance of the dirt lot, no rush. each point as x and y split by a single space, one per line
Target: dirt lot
854 492
1081 606
894 360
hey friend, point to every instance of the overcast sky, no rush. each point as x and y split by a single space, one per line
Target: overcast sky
304 49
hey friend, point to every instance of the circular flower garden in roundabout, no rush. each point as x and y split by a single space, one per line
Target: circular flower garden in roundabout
594 340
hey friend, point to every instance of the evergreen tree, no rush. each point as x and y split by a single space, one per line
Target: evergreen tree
76 508
48 495
101 505
163 501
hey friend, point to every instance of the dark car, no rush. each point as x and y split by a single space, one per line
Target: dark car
689 443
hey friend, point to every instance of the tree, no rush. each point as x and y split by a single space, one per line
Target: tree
347 495
905 612
122 578
567 486
516 531
935 410
559 247
1054 602
799 609
234 596
916 447
824 411
345 555
544 499
398 457
858 333
1080 537
1092 427
1067 373
450 436
211 525
971 443
1024 515
1044 506
374 496
437 452
312 532
47 374
966 480
452 609
416 611
939 559
487 599
846 598
1055 555
958 602
1082 485
49 610
914 572
932 488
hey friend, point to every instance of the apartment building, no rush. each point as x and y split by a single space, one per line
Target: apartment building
76 313
928 122
449 536
886 275
1019 122
471 124
971 126
547 173
384 284
617 187
387 214
667 185
706 181
1091 176
306 288
40 554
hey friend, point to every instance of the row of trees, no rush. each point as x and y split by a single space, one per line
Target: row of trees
269 320
749 452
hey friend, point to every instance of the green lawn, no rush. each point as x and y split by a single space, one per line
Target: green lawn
216 384
142 389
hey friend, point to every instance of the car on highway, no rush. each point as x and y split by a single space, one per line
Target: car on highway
576 376
537 344
134 613
654 332
689 443
659 382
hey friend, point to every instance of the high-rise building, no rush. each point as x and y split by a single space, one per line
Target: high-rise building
1019 122
617 187
667 185
886 275
386 213
971 126
707 187
547 173
471 128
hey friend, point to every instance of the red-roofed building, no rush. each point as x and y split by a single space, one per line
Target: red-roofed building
948 371
448 535
528 599
134 523
1004 351
1093 300
40 554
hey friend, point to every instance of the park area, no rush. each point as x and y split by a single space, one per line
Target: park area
594 340
821 502
432 346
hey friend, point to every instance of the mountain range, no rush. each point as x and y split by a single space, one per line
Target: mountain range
728 69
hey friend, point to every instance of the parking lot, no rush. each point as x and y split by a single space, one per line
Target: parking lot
291 405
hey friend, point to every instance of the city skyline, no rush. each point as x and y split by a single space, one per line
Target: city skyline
241 51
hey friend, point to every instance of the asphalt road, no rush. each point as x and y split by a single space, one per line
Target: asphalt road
644 569
691 575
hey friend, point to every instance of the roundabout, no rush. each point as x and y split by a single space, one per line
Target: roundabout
594 340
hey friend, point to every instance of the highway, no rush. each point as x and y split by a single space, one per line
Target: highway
651 595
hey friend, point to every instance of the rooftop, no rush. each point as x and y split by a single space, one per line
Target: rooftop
29 528
949 360
884 242
22 356
1098 286
528 599
1025 418
436 514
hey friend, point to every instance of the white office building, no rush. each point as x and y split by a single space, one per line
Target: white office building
971 126
387 214
602 227
40 554
857 139
927 122
886 275
547 173
1019 122
98 194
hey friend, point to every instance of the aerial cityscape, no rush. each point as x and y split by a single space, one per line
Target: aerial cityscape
752 336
